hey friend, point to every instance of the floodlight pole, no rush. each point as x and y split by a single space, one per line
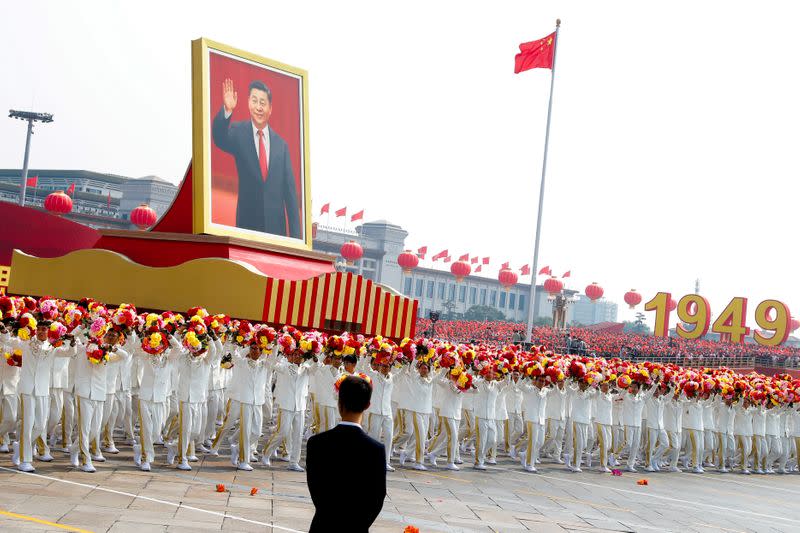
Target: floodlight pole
25 163
31 117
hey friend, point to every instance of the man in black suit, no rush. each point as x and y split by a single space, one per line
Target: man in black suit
346 465
267 193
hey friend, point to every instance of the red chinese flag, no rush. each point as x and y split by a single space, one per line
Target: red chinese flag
357 216
504 265
447 259
31 182
525 270
422 250
71 190
545 270
325 209
535 54
478 269
440 255
485 260
474 260
567 273
341 212
464 257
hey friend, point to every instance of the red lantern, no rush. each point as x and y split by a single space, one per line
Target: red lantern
633 298
460 269
794 324
594 291
507 278
58 203
407 261
143 217
553 285
352 252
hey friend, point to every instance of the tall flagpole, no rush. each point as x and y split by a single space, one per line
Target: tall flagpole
534 273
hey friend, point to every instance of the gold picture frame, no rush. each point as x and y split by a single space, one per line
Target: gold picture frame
202 222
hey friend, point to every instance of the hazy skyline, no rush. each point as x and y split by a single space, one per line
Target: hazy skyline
673 145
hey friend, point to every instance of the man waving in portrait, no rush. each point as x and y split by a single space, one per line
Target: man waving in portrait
267 199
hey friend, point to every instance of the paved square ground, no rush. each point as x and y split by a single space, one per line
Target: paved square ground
120 498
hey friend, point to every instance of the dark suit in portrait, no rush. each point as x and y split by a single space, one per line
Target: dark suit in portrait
346 473
262 205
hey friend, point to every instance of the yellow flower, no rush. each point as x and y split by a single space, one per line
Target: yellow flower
349 350
462 380
239 339
155 340
24 334
305 345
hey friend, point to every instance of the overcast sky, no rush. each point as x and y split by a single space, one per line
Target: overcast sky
674 141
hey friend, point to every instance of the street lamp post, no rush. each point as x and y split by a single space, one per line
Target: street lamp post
31 117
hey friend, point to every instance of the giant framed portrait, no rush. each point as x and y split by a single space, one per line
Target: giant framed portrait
250 164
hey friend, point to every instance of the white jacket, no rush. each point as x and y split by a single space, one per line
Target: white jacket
9 375
91 379
291 385
37 364
382 386
193 373
556 404
485 405
633 407
534 402
603 411
581 404
743 421
324 377
249 382
155 373
654 406
450 395
420 392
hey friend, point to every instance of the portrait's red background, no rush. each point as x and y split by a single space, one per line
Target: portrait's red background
285 120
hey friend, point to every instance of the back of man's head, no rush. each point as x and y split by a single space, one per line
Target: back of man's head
354 395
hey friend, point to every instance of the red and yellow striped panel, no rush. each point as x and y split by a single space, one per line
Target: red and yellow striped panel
343 298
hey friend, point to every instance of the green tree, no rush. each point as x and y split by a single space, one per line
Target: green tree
483 312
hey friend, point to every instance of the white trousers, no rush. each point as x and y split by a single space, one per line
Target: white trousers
415 434
33 413
123 412
190 424
744 445
249 427
289 429
604 441
657 444
108 410
9 404
694 448
381 428
725 446
633 439
90 420
56 410
580 435
328 418
446 439
554 436
485 438
213 405
533 442
151 418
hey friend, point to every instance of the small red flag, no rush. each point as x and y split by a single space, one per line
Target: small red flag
566 274
464 257
357 216
31 182
503 266
325 209
474 260
440 255
546 270
447 259
485 260
535 54
341 212
478 269
71 190
525 270
422 250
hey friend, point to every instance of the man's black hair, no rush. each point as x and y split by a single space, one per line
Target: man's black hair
350 359
354 394
260 86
